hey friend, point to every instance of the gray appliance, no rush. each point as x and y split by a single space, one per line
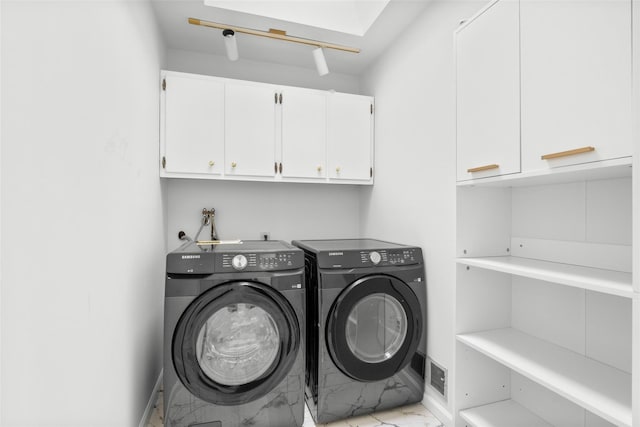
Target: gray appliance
234 335
366 326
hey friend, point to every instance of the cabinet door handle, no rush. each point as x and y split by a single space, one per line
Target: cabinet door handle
234 164
211 163
483 168
568 153
319 168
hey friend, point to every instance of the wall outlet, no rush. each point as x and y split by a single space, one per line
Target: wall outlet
437 377
265 235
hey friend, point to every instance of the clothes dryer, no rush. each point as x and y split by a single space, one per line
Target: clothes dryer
366 326
233 336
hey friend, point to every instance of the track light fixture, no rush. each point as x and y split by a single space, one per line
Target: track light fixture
321 62
230 44
232 47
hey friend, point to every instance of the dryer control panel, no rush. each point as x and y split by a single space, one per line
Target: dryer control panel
389 257
370 258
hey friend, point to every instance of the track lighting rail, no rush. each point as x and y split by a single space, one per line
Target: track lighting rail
274 34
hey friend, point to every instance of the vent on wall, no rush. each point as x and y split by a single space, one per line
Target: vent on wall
437 377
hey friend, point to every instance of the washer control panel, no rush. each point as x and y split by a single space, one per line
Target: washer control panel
262 261
239 262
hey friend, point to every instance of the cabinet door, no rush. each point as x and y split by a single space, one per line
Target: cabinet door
350 137
193 124
304 133
487 93
250 129
576 80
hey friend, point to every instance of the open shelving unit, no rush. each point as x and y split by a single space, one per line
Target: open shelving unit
519 281
599 388
547 298
503 413
593 279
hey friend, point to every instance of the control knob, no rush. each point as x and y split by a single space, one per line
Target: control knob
375 257
239 262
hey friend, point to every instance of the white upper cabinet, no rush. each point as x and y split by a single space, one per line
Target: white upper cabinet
250 129
193 124
304 133
488 93
350 137
576 81
220 128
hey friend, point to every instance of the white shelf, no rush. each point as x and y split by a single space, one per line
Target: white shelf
605 169
593 279
506 413
597 387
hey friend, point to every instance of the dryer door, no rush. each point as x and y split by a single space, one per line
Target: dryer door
374 328
235 343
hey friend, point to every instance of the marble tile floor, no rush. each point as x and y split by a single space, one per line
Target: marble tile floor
414 415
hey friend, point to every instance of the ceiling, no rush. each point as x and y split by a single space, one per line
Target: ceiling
172 17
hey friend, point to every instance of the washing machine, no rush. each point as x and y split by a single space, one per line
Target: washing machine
234 335
366 326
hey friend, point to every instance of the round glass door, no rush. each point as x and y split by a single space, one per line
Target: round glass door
235 343
374 328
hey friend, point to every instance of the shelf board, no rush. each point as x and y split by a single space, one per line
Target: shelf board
604 169
599 388
506 413
593 279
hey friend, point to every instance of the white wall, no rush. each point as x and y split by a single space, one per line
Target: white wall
244 209
244 69
413 200
82 212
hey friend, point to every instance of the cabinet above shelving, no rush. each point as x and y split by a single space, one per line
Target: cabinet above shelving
606 169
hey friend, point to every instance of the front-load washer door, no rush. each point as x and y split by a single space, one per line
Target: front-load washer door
374 327
235 343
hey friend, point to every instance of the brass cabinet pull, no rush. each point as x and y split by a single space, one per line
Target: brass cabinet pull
483 168
234 164
319 168
567 153
338 169
211 163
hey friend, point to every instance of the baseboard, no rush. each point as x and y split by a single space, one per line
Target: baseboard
152 402
437 409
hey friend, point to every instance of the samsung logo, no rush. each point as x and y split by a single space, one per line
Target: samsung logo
190 256
336 253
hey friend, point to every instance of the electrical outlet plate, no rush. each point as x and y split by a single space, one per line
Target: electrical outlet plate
437 375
